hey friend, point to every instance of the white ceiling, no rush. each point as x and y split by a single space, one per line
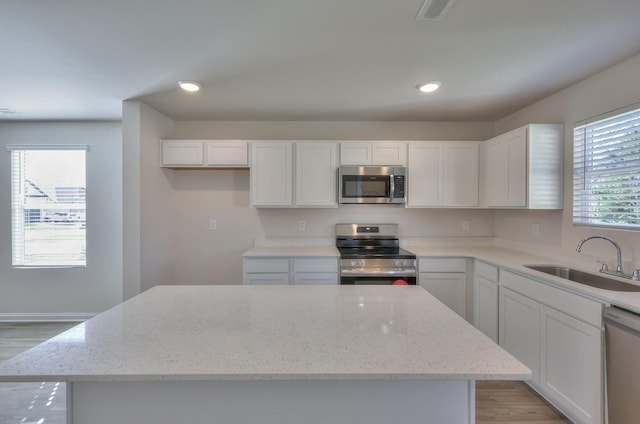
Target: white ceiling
302 59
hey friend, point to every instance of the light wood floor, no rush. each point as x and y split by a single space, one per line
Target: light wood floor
513 402
496 401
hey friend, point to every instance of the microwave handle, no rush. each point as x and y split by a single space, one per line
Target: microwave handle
392 189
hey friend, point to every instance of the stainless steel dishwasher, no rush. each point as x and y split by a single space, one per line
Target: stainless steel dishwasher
622 333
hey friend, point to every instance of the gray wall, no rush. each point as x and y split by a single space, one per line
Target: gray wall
71 292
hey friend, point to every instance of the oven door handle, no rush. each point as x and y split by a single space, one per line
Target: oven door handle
378 273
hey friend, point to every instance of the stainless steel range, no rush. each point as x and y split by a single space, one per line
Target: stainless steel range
371 254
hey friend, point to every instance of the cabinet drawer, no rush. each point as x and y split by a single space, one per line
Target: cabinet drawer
490 272
442 265
575 305
315 265
266 265
270 279
315 278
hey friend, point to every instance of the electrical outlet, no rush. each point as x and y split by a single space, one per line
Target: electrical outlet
213 225
302 225
465 225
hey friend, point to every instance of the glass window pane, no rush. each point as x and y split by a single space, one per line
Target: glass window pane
48 208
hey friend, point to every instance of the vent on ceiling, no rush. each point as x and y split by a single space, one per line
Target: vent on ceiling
7 111
434 10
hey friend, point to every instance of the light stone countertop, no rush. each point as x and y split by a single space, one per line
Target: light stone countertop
514 260
292 251
270 333
507 258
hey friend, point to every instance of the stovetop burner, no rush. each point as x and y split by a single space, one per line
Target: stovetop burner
375 252
376 241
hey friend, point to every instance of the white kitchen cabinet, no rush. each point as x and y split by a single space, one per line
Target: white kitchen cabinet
272 174
523 168
279 270
226 153
314 271
571 366
265 271
443 174
520 330
316 165
273 178
558 335
204 153
446 279
182 153
485 299
373 153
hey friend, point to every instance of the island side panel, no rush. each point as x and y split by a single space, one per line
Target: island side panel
273 402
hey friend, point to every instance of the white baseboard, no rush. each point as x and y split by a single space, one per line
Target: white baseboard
48 317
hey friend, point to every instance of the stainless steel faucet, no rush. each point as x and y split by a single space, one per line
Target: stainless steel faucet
618 251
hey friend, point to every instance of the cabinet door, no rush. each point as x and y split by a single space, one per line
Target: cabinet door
271 174
517 167
425 179
355 153
182 153
497 172
316 165
449 288
506 169
460 180
389 153
485 307
520 330
571 366
227 153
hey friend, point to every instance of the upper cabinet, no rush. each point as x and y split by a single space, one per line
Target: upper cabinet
316 165
272 173
226 153
443 174
273 178
373 153
182 153
523 168
204 153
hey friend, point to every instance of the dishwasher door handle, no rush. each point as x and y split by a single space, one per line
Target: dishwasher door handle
622 317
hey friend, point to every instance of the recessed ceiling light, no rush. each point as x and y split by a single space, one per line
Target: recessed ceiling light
429 87
189 85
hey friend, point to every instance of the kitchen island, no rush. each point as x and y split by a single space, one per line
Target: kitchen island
270 354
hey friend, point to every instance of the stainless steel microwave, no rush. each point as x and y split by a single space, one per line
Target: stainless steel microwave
372 184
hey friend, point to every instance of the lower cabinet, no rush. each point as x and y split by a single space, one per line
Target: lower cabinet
446 279
564 352
485 299
520 330
273 271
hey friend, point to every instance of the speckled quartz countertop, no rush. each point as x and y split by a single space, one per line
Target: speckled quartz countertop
515 260
507 258
270 333
292 251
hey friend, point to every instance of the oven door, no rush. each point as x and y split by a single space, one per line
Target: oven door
380 280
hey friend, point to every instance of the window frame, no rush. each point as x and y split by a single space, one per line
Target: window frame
594 153
17 263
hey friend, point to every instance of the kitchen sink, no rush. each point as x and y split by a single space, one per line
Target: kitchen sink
586 278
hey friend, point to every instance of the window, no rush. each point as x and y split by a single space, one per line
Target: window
48 206
606 171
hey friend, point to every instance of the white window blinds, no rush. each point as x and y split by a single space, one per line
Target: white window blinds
606 171
48 207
